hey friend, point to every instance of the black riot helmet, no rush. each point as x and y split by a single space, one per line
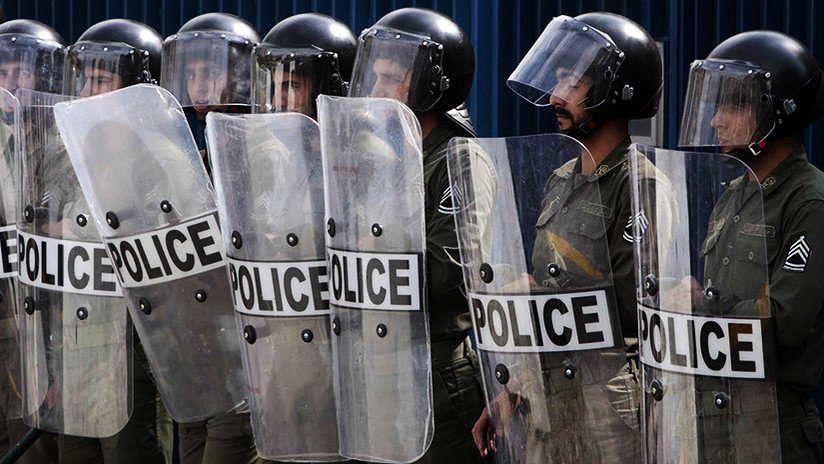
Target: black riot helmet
31 55
418 56
754 87
113 54
208 62
300 58
617 55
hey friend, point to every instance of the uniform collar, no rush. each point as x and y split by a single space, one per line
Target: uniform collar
784 170
614 159
439 135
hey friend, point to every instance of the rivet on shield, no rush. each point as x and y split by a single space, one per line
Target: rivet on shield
112 220
82 313
29 305
377 230
336 326
501 374
722 400
486 273
292 239
651 285
307 335
81 220
165 206
656 390
249 334
145 306
330 227
200 296
553 270
237 240
28 213
711 293
569 369
381 330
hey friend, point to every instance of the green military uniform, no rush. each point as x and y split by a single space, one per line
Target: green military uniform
584 229
221 438
793 205
457 392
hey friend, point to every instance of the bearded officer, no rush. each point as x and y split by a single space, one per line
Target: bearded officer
595 92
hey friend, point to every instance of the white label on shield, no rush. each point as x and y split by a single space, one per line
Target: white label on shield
65 266
293 288
375 280
697 345
542 323
168 254
8 251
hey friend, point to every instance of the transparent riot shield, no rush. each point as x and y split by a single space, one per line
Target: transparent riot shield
268 177
152 200
373 180
532 233
11 387
76 336
706 343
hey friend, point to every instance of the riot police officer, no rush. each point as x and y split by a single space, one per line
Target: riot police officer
207 67
110 55
300 58
391 67
113 54
598 71
753 96
31 57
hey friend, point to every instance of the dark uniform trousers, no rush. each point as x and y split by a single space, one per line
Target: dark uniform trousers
802 435
458 400
222 439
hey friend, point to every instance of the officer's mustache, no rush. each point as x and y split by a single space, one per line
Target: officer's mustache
564 113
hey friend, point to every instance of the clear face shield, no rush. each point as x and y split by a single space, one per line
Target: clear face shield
205 69
95 68
289 80
728 105
30 63
404 67
570 61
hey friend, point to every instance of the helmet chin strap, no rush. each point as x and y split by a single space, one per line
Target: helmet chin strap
757 147
584 129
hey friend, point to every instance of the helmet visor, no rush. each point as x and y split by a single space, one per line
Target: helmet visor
570 61
30 63
290 80
94 68
404 67
727 104
207 69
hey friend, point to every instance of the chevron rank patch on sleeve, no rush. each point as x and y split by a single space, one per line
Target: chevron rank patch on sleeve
797 256
449 203
636 226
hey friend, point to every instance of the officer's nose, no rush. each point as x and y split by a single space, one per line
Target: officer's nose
718 119
556 101
86 91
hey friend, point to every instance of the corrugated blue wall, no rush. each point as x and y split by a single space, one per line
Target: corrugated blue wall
502 32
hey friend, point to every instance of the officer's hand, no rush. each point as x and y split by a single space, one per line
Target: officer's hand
483 432
525 283
683 296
